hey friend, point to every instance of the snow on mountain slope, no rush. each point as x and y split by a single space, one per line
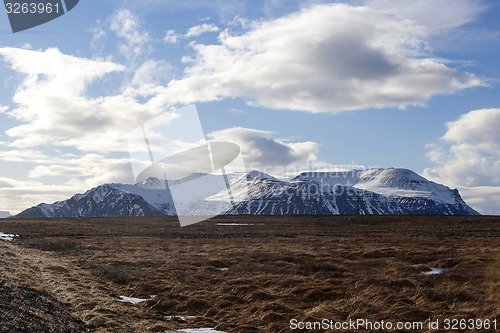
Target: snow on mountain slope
154 191
393 183
397 183
374 191
104 200
341 178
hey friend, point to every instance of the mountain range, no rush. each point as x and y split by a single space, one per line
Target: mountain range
374 191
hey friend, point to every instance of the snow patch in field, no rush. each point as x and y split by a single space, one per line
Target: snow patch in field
435 270
223 269
134 300
7 237
230 224
184 318
195 330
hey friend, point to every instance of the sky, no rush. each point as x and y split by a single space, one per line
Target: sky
298 85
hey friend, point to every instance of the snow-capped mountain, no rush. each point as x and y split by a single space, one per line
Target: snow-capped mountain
109 200
374 191
4 214
412 193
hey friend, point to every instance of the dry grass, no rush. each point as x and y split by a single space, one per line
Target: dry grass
256 278
54 244
114 273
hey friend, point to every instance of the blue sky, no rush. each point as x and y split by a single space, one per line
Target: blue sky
297 84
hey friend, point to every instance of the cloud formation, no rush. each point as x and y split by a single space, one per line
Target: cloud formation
201 29
261 152
171 37
69 174
135 41
85 171
468 157
15 194
54 108
325 58
429 13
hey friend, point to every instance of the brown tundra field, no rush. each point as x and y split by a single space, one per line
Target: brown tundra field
251 274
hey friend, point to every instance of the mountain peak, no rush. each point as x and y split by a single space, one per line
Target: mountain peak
258 174
151 182
392 175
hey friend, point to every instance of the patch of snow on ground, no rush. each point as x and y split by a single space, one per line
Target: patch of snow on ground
185 318
230 224
7 237
195 330
435 270
223 269
134 300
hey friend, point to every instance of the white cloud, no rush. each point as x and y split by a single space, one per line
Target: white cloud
484 199
128 27
49 99
11 183
25 155
325 58
97 32
201 29
261 152
73 174
171 37
479 127
468 157
52 104
86 171
434 15
17 195
238 21
149 76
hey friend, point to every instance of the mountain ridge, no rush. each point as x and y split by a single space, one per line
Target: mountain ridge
373 191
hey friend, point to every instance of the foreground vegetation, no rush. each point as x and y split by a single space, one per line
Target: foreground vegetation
246 273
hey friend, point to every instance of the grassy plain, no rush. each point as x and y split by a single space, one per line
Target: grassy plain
247 273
